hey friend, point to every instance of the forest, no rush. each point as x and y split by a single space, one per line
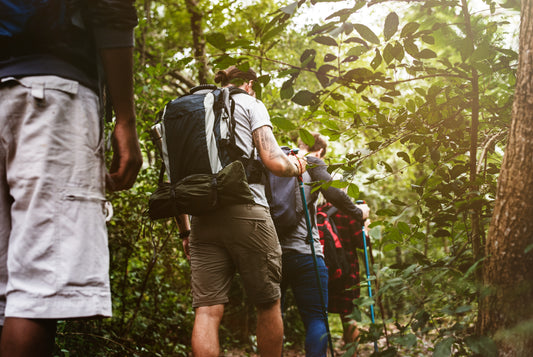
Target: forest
427 108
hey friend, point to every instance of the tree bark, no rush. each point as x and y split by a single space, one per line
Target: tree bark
198 38
506 311
475 211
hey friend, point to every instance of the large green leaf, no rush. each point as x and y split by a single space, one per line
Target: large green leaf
391 25
482 345
359 74
366 33
326 40
218 40
283 123
409 29
304 98
306 137
443 348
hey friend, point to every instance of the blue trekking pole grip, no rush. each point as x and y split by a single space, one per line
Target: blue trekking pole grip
367 266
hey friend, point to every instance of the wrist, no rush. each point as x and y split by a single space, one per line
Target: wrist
185 234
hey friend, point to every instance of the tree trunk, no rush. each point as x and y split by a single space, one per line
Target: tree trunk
475 211
506 311
198 38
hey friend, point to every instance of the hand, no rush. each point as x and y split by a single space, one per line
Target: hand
127 158
300 163
364 209
185 243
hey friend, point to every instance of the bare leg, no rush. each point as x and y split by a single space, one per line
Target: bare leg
269 329
27 337
205 331
350 331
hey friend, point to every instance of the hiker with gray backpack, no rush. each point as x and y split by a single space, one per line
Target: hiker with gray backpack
304 270
210 140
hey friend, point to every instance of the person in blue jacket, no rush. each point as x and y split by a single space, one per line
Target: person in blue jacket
54 257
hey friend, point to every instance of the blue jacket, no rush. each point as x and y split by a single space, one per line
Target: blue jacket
70 50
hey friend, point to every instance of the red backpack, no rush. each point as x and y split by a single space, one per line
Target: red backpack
334 254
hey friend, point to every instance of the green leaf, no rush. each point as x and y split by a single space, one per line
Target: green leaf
329 57
377 60
374 145
304 98
528 248
290 9
442 233
287 90
409 29
411 106
398 51
404 227
337 96
359 74
353 191
306 137
398 202
410 47
272 33
308 58
388 53
482 345
385 212
322 76
428 39
218 40
426 53
366 33
404 156
356 313
463 309
356 51
408 340
283 123
326 40
391 25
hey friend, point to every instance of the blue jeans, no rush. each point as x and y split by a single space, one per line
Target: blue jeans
299 274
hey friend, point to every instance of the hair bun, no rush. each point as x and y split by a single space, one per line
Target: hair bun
221 77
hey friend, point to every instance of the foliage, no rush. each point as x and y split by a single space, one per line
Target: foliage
416 101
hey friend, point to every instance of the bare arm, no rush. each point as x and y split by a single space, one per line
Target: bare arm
127 159
273 157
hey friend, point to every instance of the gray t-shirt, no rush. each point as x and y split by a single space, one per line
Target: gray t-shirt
250 114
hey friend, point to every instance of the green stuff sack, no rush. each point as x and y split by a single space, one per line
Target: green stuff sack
201 193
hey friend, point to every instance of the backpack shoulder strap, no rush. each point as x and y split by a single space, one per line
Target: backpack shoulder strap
331 211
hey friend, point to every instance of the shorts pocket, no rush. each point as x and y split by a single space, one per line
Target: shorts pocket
82 240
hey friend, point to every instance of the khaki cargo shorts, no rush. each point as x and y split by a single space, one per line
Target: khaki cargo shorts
54 257
238 238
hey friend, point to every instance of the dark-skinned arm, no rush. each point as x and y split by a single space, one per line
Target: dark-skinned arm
127 159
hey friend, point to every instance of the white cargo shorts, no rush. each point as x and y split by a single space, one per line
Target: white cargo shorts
54 257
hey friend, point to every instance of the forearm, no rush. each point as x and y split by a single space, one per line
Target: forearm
343 202
273 157
336 197
183 222
118 66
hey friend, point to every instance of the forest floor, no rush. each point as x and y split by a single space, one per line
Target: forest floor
422 348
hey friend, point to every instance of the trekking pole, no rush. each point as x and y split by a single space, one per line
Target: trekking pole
378 298
369 285
311 242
